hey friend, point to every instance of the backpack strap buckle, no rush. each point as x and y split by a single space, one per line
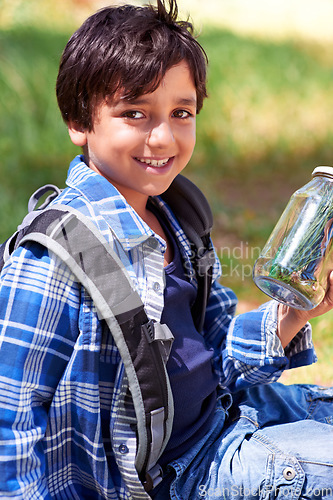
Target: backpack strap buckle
153 477
159 332
205 261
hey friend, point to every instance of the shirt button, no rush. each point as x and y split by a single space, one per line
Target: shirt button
289 473
152 243
156 286
123 449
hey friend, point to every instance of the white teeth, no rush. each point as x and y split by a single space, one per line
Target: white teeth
154 163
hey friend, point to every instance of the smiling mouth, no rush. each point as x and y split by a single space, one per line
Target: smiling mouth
154 163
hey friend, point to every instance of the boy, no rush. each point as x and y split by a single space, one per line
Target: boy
130 84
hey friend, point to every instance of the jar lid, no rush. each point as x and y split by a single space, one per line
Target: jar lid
323 170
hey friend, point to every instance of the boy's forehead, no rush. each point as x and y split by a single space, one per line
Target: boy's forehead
123 94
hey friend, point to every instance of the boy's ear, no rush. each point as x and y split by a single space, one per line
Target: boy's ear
77 134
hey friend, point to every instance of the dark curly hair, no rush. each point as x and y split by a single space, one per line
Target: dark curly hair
127 49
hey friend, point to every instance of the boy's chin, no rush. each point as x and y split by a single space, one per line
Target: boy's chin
158 190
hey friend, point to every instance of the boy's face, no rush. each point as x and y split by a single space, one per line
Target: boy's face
141 145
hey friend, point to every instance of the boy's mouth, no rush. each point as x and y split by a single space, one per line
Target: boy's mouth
152 162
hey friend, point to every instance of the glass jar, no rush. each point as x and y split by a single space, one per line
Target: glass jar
294 264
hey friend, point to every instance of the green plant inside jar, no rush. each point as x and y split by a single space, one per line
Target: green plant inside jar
303 269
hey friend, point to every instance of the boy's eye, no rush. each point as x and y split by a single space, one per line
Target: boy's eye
182 113
133 114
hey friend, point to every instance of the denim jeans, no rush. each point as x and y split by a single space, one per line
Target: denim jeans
268 442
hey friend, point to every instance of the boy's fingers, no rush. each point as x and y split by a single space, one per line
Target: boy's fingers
329 294
330 283
330 278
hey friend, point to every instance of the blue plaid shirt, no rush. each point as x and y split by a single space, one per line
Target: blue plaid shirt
65 432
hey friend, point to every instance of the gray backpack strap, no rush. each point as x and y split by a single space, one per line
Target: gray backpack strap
37 195
196 219
11 243
76 241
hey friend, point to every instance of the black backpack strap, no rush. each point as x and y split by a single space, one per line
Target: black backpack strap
196 219
77 242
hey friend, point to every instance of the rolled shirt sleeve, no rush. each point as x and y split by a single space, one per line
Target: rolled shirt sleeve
248 350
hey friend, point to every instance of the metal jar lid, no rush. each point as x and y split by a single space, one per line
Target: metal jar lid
323 170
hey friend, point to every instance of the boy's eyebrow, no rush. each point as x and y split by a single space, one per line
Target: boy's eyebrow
182 101
187 101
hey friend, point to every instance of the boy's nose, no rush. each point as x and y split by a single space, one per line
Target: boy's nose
160 135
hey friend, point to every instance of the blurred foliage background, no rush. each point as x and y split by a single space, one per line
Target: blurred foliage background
267 123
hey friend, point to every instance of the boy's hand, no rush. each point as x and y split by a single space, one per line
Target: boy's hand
290 320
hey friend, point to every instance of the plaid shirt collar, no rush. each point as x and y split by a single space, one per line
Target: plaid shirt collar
125 223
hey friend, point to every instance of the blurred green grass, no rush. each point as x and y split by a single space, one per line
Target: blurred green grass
34 147
267 123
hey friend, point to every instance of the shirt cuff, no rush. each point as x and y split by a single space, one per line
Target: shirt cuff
299 352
